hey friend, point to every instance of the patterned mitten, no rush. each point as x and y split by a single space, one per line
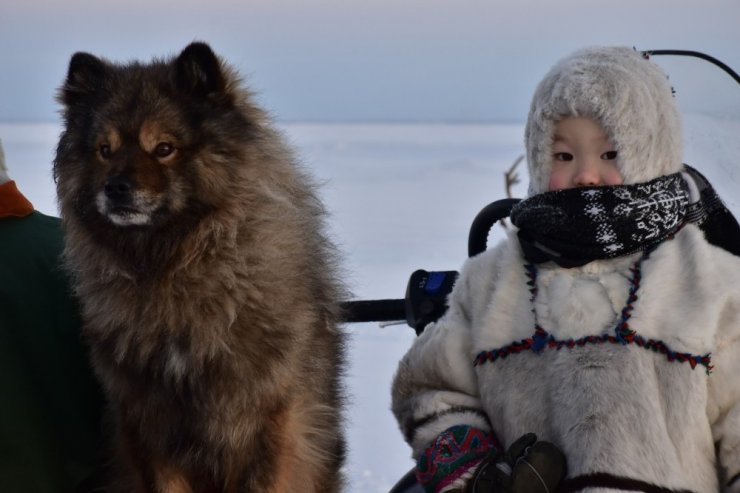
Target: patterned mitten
448 464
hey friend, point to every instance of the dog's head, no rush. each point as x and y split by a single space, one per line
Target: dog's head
145 144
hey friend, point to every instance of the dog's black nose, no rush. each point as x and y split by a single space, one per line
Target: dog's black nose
118 188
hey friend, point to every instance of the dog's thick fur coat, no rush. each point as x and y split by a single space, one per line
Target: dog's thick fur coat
208 287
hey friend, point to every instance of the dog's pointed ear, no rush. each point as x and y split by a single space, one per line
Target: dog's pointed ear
198 71
84 77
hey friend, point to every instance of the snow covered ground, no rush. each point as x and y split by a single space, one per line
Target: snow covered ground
402 197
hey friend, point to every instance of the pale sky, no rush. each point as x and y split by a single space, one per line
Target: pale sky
353 60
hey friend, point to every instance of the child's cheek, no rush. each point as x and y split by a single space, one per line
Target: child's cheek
557 181
614 177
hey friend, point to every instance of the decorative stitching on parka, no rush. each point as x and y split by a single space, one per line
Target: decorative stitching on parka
623 333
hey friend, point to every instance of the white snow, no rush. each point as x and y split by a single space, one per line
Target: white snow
402 197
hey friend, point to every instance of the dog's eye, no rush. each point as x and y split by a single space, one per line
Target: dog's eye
163 149
105 151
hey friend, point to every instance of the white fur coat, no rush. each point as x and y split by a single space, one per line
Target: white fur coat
615 408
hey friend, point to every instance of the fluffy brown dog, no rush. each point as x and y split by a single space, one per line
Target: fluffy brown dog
208 287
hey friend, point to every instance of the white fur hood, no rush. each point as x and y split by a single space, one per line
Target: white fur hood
628 95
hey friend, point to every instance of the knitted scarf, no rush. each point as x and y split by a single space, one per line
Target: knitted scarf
575 226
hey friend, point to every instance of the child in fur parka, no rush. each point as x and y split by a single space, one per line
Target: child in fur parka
606 324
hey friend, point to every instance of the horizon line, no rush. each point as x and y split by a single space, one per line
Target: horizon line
338 121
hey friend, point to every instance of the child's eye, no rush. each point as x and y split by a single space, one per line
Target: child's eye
609 155
563 156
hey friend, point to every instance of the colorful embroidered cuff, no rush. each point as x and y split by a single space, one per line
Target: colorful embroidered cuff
452 458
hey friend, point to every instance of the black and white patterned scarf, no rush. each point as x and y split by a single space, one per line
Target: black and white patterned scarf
575 226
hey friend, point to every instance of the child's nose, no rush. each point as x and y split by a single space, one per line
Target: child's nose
588 174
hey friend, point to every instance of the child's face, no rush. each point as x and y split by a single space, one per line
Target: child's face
582 156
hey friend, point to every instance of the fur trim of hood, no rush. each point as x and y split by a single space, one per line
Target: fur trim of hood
628 95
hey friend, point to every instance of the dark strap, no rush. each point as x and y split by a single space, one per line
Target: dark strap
719 225
604 480
733 480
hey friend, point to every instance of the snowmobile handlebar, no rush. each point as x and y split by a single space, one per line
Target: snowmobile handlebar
374 311
425 302
426 292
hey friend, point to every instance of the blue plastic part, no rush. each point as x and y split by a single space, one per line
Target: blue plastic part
434 282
